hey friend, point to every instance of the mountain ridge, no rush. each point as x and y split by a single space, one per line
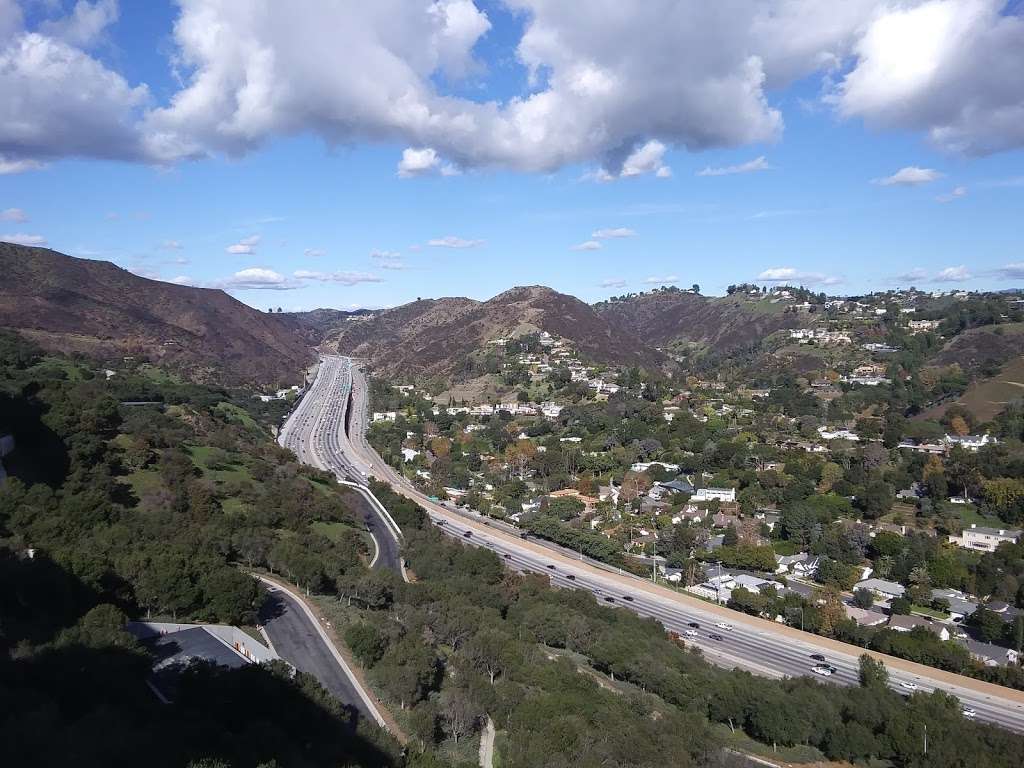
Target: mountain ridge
663 318
435 337
67 304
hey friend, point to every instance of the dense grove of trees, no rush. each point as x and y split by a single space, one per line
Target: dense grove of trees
114 512
151 507
467 640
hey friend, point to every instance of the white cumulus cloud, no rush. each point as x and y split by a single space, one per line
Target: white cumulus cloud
56 100
953 275
751 166
423 162
341 277
667 280
13 214
1012 271
20 238
451 241
589 245
244 246
911 176
258 278
614 282
611 233
703 77
950 68
793 275
86 23
954 194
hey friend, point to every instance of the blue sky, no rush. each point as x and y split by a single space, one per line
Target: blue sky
320 213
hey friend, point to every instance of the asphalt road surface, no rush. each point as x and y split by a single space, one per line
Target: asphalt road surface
316 433
297 641
757 645
388 549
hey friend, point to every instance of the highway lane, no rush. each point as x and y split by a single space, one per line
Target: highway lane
315 432
752 649
754 644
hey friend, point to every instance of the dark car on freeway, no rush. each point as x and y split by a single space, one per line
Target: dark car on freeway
716 636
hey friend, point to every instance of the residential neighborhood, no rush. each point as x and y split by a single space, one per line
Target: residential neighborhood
782 496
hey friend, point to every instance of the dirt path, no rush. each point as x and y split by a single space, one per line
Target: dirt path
487 744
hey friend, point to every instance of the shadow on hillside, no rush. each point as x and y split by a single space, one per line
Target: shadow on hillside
91 707
39 456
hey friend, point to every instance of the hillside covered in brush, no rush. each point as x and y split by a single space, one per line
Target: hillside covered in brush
435 336
98 309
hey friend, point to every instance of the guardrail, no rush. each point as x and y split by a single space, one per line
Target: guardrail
367 494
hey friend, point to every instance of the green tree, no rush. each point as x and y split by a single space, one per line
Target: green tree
731 537
863 598
366 642
900 606
988 623
872 673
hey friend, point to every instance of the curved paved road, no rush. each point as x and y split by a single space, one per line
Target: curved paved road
298 642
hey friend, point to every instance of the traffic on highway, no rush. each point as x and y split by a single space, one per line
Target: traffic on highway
328 430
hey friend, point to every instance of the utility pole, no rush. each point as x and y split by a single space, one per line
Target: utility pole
926 738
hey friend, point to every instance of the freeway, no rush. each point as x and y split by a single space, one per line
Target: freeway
726 637
315 431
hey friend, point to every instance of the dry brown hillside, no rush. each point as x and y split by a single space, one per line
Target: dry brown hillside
433 337
98 309
727 323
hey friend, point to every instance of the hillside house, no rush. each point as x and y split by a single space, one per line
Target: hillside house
838 434
982 538
937 449
720 494
972 443
550 410
643 466
899 623
880 588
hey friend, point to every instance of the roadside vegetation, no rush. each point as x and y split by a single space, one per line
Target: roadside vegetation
569 681
114 512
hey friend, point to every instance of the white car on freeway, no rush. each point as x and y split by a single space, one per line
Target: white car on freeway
824 670
724 625
906 684
968 712
690 632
